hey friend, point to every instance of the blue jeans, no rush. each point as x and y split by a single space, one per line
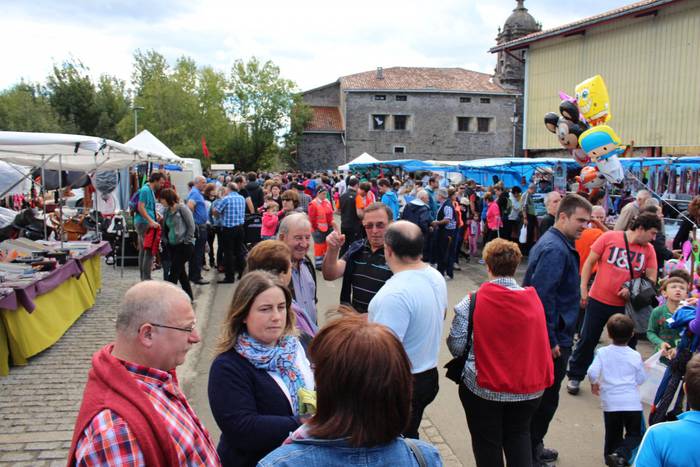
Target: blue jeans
597 315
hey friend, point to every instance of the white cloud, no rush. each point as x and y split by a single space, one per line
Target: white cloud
313 41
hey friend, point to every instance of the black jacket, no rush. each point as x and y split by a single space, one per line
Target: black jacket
348 212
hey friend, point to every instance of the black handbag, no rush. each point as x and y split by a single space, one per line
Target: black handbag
456 365
642 290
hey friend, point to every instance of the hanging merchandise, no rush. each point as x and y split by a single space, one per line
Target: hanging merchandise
593 101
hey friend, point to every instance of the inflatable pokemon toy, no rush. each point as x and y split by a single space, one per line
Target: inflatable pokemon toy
593 101
591 178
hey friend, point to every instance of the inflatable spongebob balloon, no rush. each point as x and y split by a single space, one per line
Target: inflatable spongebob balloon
603 146
593 101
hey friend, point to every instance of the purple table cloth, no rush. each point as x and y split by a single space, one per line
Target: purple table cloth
24 295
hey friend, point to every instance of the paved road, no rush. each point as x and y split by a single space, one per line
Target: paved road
39 402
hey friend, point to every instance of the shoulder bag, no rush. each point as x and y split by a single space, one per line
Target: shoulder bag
642 292
456 365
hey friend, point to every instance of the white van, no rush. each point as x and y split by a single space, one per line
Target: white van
190 169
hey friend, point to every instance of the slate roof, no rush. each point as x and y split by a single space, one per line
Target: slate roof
637 8
422 79
325 119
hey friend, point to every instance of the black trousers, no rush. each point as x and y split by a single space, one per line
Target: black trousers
234 256
425 388
623 432
197 260
211 235
597 315
498 428
179 255
549 402
532 231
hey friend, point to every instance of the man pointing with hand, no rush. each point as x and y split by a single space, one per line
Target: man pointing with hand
363 267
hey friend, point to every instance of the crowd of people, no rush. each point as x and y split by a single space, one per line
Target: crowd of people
289 387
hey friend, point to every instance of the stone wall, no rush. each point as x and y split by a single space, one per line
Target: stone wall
432 130
320 151
326 96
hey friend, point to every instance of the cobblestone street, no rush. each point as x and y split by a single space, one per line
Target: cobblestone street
39 402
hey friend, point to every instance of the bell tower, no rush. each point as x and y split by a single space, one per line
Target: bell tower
510 67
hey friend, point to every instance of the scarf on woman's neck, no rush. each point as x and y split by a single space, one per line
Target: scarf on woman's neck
280 359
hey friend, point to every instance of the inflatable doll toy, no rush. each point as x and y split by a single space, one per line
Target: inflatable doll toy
603 146
593 101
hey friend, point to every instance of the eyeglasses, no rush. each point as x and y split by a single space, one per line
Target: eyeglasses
378 225
187 330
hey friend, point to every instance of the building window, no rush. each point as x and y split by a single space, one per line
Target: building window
380 97
485 100
379 122
465 100
463 123
399 149
483 124
400 122
401 98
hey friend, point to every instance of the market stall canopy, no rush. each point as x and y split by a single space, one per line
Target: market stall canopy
13 179
77 152
511 170
363 158
408 165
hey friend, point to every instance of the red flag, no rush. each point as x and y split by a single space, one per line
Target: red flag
205 151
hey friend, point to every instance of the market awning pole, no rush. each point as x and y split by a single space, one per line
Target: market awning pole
60 195
43 198
123 242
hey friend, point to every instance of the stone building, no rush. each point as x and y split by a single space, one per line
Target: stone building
408 113
420 113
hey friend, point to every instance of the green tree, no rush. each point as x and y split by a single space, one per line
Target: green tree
262 100
112 104
300 116
26 107
72 95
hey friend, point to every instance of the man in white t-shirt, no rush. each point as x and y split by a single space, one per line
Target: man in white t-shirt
412 303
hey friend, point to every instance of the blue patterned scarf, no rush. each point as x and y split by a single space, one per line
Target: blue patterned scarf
280 359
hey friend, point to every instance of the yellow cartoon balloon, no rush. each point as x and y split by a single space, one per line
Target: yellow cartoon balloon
593 101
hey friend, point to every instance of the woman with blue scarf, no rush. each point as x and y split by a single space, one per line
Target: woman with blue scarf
255 380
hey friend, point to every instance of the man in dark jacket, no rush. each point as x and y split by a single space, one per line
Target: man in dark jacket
254 191
350 224
553 270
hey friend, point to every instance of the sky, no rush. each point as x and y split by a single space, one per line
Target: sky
312 41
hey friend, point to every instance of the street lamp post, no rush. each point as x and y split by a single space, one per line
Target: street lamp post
136 109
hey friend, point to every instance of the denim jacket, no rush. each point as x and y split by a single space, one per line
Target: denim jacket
311 452
552 270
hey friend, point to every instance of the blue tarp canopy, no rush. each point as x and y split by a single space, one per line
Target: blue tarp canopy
511 170
409 165
629 163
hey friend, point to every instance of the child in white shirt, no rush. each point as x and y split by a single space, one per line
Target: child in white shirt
615 375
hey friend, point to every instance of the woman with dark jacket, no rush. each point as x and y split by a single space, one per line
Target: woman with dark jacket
256 381
663 254
178 233
693 214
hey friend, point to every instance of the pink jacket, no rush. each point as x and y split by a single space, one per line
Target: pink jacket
269 224
493 216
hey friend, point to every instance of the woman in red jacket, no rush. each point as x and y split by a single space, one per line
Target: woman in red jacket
322 223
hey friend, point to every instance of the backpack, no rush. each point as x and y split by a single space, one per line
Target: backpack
134 202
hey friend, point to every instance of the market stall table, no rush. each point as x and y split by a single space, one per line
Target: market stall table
35 315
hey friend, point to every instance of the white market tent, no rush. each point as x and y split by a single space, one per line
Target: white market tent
363 158
145 141
56 151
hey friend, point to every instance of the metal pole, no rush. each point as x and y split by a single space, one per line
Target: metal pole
43 199
123 242
60 196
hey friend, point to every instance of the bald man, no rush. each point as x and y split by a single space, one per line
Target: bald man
412 303
133 410
195 201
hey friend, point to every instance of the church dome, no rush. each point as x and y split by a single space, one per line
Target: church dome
521 21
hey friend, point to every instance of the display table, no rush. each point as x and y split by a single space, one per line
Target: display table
35 316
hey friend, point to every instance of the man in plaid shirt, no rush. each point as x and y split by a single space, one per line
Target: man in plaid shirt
133 410
231 213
